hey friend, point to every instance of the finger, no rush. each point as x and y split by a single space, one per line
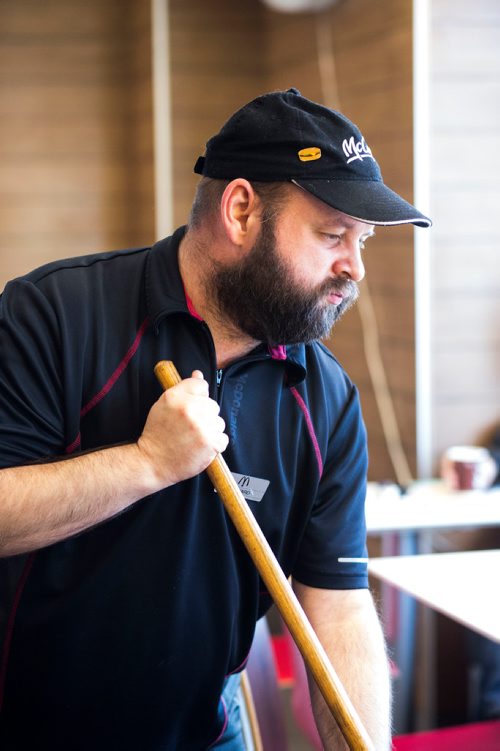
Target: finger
197 374
195 385
220 424
221 439
211 407
221 443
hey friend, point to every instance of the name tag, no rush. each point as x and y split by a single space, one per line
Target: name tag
252 488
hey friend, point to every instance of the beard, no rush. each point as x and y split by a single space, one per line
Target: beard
260 296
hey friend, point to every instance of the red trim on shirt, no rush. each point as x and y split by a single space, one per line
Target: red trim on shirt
74 445
278 352
191 307
310 427
117 373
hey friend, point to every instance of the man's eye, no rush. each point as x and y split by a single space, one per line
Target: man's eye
332 238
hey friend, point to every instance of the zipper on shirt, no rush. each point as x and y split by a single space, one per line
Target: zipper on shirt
219 377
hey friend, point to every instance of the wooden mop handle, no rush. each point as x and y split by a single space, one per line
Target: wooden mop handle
280 590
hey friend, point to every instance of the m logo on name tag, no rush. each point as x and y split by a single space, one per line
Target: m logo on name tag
252 488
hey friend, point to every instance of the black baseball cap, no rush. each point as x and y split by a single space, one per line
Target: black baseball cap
282 136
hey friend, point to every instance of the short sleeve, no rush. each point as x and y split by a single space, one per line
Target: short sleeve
31 422
333 553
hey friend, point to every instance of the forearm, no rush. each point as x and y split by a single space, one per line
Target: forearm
353 639
360 662
44 503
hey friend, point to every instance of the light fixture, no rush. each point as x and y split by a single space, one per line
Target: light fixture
299 6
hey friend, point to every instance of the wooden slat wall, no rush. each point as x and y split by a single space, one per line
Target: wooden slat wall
465 190
372 45
139 228
217 64
75 129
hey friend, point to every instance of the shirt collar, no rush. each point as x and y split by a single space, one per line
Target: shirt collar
164 288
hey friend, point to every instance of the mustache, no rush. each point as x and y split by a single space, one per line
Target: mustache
340 286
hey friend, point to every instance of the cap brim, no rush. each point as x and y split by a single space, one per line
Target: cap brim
366 200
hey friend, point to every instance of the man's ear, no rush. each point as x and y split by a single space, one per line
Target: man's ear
240 212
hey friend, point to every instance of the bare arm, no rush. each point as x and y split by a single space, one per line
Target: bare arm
347 625
44 503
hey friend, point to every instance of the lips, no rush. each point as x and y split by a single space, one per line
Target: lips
338 292
335 298
341 290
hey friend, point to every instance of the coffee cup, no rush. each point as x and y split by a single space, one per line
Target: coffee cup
467 468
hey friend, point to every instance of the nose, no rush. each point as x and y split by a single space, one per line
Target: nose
349 263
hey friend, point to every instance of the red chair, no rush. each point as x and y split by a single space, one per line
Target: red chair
478 736
269 728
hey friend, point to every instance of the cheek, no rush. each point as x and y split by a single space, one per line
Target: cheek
299 270
306 263
313 267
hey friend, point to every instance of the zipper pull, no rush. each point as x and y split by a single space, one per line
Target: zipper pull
219 377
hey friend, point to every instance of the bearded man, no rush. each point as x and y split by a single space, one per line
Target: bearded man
128 601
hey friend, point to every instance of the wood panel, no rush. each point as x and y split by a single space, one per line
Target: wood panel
397 356
75 129
218 63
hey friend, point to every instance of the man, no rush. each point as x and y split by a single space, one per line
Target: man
131 602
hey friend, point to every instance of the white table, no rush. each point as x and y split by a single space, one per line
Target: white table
429 506
406 524
462 586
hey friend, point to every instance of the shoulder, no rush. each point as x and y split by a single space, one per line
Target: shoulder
325 375
329 396
86 265
83 280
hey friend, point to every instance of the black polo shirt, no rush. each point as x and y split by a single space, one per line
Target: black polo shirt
121 637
